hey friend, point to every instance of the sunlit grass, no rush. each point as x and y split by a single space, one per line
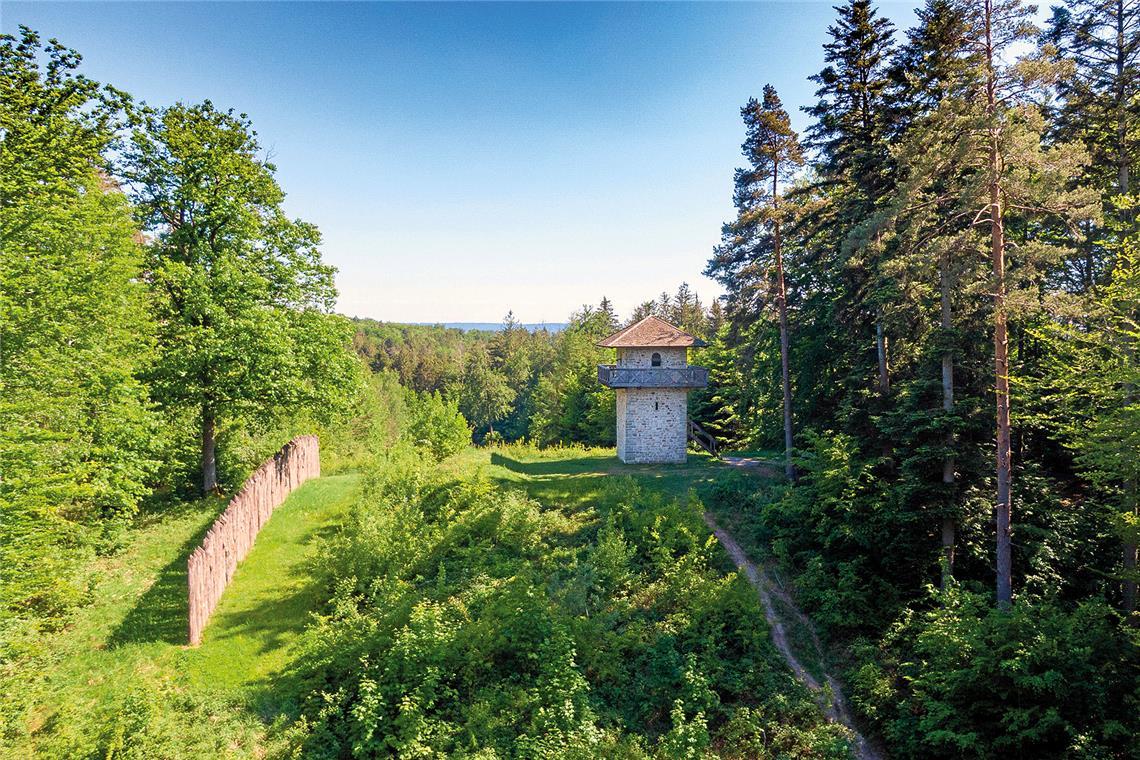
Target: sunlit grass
573 474
267 604
124 658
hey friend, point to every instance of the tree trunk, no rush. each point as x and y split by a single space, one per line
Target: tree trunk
1001 372
1001 337
782 306
1123 182
1130 557
949 523
1122 105
881 349
209 453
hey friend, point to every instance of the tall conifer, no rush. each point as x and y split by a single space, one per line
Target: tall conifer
750 261
850 134
931 68
1101 93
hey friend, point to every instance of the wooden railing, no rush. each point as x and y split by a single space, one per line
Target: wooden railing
703 438
613 376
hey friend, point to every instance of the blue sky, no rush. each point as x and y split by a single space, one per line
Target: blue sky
464 159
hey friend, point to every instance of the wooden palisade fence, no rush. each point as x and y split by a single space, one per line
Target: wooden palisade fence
229 539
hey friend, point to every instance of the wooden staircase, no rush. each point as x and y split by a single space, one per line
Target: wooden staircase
702 438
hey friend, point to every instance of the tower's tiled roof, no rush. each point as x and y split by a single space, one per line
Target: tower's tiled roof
651 332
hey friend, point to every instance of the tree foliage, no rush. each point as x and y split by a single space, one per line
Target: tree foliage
946 249
116 347
241 294
77 432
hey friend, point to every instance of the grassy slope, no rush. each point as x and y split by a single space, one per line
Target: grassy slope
575 475
267 603
124 658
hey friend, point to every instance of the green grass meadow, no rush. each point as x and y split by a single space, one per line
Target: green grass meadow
124 657
121 668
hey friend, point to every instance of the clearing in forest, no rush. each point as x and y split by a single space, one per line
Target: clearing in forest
122 676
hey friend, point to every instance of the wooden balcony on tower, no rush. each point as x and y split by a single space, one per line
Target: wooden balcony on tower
613 376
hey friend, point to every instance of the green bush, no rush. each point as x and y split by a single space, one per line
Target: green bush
437 425
965 680
838 532
470 621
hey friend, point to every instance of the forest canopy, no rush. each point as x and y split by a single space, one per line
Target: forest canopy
164 328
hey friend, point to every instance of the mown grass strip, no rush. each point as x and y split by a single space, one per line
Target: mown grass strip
124 659
267 604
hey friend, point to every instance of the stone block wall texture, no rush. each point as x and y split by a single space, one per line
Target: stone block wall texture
211 566
652 425
620 394
643 357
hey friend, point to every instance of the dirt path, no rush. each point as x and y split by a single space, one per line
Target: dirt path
763 467
831 699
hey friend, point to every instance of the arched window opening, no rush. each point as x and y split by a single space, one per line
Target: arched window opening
655 360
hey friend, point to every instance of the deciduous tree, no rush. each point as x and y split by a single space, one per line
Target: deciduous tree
241 294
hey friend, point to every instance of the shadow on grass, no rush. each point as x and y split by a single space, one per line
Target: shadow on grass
606 465
162 613
578 479
274 614
269 624
568 466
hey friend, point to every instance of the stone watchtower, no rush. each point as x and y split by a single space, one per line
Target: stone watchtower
652 378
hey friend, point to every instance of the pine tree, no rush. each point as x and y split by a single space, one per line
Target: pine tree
850 134
850 121
642 310
750 260
1101 39
1098 41
931 68
1016 172
775 155
974 153
606 309
687 312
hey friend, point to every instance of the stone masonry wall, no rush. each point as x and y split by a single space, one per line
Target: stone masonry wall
211 566
652 424
643 357
622 401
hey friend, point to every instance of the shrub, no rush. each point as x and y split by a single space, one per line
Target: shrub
437 425
467 620
963 679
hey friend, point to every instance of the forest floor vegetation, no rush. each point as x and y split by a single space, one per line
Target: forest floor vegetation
524 602
789 623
